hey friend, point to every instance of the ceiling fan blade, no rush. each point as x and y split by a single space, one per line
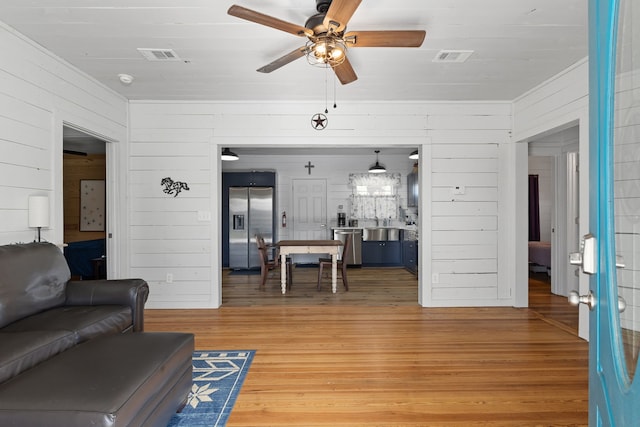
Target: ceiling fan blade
339 14
385 38
345 72
284 60
269 21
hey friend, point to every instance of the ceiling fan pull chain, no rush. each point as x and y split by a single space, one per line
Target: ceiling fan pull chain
326 90
335 105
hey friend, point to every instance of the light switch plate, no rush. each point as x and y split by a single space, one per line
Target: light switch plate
204 216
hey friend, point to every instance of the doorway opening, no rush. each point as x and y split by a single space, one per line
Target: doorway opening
313 189
84 203
553 218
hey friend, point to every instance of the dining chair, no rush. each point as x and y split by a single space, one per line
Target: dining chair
342 263
268 264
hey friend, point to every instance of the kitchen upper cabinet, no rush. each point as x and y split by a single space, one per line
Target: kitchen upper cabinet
412 188
249 179
382 253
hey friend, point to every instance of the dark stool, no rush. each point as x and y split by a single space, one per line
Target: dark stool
289 267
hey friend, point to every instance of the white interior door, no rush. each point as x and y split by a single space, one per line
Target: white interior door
309 213
572 234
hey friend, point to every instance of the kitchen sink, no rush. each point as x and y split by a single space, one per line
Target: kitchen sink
380 233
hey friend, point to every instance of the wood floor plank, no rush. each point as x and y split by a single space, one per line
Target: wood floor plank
347 360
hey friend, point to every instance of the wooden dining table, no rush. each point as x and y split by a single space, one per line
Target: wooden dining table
288 247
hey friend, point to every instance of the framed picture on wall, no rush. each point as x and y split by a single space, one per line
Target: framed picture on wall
92 205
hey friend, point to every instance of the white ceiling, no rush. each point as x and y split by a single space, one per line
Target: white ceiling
517 45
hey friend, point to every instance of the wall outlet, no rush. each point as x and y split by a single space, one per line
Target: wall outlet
435 278
169 278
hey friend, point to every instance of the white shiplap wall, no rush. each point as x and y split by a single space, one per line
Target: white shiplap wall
177 139
461 263
38 93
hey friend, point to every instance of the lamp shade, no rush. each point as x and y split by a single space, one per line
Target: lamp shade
377 168
38 211
228 155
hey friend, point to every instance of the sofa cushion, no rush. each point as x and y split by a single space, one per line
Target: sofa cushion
33 277
132 380
84 321
23 350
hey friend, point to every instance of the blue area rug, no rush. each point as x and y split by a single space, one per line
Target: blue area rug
217 379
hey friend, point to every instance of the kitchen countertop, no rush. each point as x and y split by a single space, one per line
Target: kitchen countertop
360 227
410 232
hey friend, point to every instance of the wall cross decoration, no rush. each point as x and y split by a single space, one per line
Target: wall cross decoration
309 166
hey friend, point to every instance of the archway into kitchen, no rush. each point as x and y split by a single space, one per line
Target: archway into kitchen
333 166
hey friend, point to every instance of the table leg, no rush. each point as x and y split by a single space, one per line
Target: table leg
283 273
334 271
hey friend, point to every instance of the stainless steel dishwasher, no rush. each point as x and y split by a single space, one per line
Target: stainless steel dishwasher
354 257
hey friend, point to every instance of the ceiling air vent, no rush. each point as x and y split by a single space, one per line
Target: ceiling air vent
452 55
159 54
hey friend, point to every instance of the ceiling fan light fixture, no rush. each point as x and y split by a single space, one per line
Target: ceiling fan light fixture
377 168
228 155
414 155
327 50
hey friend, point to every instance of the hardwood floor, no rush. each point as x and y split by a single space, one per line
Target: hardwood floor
553 308
373 357
378 286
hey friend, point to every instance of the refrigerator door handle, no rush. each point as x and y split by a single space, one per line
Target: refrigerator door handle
238 222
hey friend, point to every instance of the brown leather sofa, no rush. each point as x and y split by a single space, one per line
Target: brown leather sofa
75 354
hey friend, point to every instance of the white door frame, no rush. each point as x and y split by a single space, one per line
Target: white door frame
581 119
113 188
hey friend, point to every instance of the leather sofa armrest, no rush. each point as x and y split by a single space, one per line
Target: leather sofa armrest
131 292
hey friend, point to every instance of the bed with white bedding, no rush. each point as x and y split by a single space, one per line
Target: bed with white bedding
540 256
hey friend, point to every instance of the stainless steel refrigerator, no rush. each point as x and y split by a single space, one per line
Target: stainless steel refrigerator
250 214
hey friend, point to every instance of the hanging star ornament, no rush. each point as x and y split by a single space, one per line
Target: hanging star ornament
319 121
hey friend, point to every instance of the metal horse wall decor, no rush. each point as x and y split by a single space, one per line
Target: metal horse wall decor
173 187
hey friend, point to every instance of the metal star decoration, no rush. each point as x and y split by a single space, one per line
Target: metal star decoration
319 121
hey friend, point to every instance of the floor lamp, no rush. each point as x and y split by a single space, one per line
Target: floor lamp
38 212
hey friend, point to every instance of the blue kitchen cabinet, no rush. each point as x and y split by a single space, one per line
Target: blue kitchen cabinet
382 253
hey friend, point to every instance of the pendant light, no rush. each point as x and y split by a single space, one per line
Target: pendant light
414 155
377 168
228 155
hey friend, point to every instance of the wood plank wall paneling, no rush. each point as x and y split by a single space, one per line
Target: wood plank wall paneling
556 102
460 253
464 138
75 169
166 238
38 92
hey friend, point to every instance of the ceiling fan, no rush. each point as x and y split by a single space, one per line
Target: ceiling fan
327 40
